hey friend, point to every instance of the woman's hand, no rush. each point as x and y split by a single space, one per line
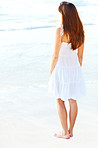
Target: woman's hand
50 72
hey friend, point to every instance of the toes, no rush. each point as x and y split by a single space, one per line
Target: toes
67 137
55 134
70 133
60 135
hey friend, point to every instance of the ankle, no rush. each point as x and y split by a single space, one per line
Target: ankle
65 132
70 132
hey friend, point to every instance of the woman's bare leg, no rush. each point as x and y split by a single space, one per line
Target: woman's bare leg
63 119
72 115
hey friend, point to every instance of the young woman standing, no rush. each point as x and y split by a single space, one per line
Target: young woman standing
66 80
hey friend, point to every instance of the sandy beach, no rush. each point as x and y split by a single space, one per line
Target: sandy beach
26 133
28 113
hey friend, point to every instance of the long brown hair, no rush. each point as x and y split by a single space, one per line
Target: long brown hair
72 24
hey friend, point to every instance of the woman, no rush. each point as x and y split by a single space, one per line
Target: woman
66 80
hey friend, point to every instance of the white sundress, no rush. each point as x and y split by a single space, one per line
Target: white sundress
66 80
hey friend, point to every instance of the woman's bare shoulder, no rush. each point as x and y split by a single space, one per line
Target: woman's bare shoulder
57 31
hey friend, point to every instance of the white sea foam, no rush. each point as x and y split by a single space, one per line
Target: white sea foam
23 15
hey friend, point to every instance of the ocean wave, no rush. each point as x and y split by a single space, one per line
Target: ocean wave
24 86
89 24
38 27
92 81
35 85
28 28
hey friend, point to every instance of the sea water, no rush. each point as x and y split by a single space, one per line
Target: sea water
27 32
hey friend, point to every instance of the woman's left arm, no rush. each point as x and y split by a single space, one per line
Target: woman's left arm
55 54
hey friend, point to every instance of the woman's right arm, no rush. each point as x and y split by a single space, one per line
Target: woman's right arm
80 54
56 50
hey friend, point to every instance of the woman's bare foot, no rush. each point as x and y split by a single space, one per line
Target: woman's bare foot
62 135
70 133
